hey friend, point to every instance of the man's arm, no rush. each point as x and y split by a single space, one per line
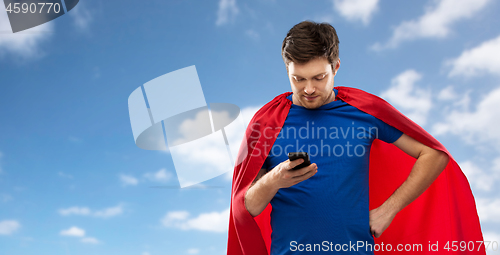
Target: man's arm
430 163
265 186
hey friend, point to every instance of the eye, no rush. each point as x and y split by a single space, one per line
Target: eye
319 78
299 79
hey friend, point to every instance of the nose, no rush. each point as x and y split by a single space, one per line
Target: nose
309 88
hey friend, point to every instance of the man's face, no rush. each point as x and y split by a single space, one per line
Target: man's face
312 82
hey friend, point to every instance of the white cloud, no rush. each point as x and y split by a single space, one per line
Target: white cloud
489 239
214 221
82 17
78 232
7 227
175 216
211 222
328 18
482 59
227 12
447 94
247 113
481 178
85 211
24 43
128 180
193 251
415 103
208 157
356 10
109 212
252 34
75 210
191 129
89 240
435 23
488 209
73 231
161 176
207 153
476 127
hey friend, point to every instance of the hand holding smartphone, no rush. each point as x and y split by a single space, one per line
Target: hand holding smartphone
296 155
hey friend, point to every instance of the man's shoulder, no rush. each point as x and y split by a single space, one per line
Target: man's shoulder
349 93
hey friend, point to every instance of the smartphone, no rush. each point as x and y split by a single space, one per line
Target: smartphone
296 155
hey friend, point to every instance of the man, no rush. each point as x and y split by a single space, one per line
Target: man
329 199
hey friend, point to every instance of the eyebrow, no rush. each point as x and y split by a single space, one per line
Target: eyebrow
312 76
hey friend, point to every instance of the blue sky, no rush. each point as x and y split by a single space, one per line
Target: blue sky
72 181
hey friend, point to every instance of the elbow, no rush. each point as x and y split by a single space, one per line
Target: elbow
252 214
249 209
441 159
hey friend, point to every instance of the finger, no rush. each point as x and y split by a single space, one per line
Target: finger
302 171
306 172
294 163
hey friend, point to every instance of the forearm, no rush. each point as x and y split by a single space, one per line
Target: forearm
425 170
259 195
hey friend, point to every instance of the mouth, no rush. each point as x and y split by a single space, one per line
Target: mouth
310 98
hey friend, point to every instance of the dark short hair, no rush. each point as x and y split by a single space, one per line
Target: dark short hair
308 40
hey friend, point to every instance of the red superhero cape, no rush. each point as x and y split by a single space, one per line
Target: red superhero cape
444 213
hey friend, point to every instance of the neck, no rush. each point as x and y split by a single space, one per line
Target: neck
331 98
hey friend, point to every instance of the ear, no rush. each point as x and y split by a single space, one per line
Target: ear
337 66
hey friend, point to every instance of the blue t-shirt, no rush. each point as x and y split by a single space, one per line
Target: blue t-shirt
328 211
